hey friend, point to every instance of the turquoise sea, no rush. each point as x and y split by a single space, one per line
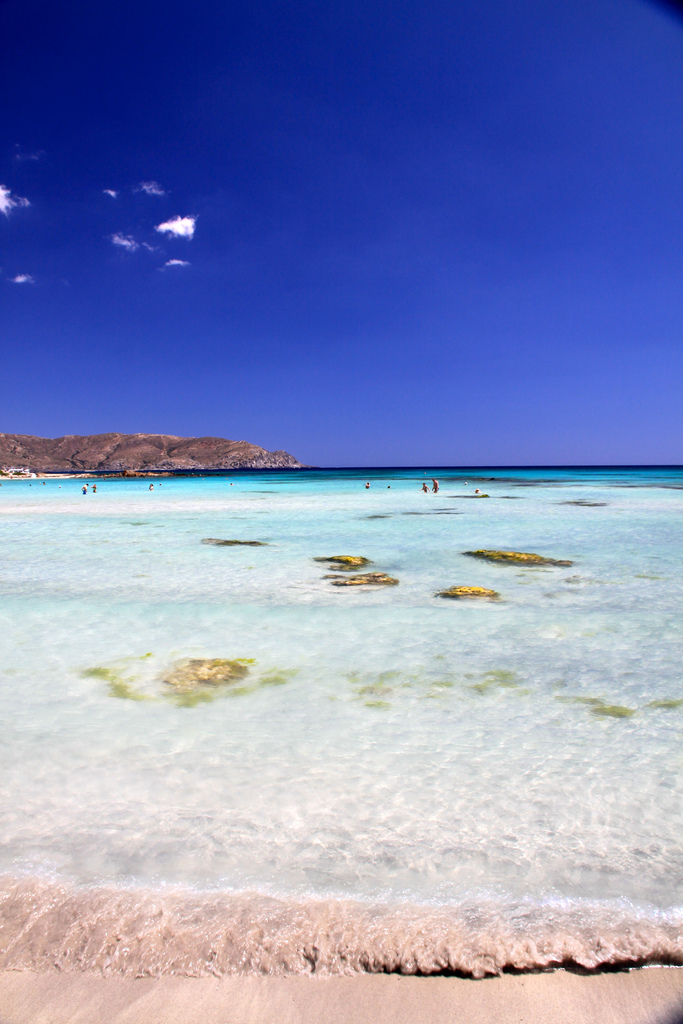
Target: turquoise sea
399 782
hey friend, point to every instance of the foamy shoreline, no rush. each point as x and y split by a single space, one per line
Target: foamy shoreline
132 932
558 997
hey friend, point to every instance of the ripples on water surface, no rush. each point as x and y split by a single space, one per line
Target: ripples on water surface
401 781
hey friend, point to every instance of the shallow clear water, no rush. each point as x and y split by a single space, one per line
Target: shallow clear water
388 747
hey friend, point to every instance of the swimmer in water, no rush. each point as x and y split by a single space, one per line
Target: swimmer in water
435 486
151 487
477 491
425 488
94 488
366 486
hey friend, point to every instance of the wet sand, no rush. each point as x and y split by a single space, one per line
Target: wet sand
652 996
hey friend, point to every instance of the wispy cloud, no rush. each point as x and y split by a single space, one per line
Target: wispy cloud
175 263
126 242
180 227
20 155
110 192
150 248
23 279
151 188
9 202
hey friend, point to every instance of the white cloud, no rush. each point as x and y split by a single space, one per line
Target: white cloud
151 248
176 263
8 201
23 279
151 188
110 192
180 227
125 242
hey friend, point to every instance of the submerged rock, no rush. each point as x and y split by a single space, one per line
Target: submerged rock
345 562
515 557
192 675
597 706
373 579
612 711
467 592
582 503
235 543
496 679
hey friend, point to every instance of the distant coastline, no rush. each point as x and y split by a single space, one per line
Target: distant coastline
133 455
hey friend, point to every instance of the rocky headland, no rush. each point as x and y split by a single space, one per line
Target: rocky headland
135 453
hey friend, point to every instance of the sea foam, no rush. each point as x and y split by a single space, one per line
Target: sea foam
44 926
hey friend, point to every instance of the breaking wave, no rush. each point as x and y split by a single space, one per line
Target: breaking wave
46 925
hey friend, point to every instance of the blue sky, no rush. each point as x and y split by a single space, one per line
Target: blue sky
392 233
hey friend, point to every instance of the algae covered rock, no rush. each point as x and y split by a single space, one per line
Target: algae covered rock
475 593
192 675
218 542
371 579
345 562
515 557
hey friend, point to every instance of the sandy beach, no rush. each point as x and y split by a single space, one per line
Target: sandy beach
651 996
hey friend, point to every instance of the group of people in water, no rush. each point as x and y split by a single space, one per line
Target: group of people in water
426 489
434 489
94 488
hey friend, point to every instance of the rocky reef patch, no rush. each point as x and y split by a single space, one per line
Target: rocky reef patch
188 682
458 593
345 562
515 557
372 579
192 674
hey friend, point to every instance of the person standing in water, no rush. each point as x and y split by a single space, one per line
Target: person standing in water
425 488
435 486
151 487
85 488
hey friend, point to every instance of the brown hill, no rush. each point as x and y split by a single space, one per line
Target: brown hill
138 452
